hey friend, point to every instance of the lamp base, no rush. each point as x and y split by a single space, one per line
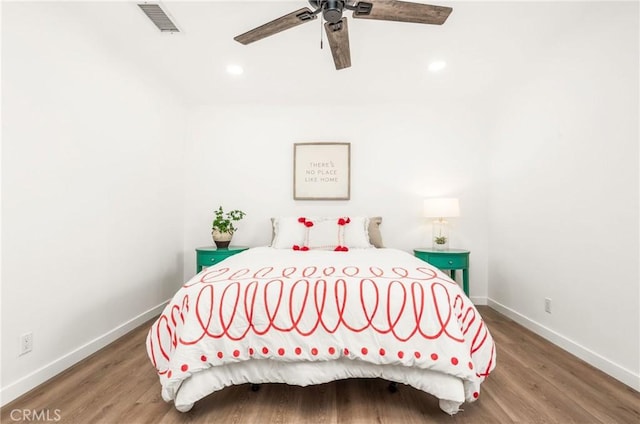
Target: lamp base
440 246
440 237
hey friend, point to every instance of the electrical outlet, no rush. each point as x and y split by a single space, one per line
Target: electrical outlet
547 305
26 343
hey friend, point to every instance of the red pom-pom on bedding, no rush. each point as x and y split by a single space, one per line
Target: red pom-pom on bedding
344 221
308 224
304 248
302 220
296 247
341 249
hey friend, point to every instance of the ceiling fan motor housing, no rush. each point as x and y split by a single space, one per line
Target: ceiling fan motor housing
331 9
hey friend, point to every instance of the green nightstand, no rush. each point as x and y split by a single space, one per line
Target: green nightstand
451 259
207 256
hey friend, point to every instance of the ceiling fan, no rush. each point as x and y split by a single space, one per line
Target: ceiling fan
336 25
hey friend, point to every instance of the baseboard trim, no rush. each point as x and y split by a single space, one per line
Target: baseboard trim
478 300
16 389
603 364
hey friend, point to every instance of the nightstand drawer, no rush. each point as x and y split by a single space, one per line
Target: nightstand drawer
207 259
449 261
209 256
444 259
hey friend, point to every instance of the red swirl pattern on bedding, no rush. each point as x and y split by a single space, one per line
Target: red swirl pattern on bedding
378 306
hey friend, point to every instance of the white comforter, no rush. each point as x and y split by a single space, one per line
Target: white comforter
274 315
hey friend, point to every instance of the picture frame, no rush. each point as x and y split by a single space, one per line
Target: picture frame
322 171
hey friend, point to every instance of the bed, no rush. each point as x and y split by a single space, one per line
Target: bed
302 316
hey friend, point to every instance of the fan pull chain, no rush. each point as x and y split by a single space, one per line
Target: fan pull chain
321 33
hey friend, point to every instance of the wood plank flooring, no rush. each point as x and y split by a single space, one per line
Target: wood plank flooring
534 382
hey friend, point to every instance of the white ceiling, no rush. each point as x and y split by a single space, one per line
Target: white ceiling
482 42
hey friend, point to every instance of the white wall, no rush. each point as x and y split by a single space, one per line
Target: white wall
564 191
92 178
241 156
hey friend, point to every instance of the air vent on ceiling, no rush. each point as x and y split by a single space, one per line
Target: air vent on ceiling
158 17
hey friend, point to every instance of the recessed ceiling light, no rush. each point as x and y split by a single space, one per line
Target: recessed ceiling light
235 70
437 66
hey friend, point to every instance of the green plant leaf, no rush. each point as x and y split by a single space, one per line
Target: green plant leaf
223 221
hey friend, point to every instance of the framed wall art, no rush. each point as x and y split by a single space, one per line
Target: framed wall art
322 171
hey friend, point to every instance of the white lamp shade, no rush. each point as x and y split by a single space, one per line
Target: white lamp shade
441 208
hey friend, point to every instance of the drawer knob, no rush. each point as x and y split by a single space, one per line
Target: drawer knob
213 259
450 262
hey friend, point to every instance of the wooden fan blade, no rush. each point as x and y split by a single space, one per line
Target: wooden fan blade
338 37
401 11
277 25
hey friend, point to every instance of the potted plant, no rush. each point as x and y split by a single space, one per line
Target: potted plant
222 228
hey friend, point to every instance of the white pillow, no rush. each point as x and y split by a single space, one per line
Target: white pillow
288 232
325 233
330 233
356 233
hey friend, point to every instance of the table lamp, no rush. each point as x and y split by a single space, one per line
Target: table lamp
441 208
